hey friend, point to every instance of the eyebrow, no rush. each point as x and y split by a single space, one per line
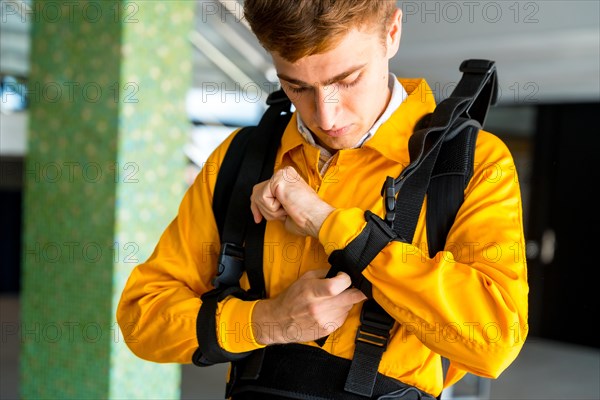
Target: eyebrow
330 81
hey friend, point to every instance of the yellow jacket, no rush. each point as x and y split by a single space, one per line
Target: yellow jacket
468 304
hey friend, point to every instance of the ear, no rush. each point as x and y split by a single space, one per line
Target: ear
394 33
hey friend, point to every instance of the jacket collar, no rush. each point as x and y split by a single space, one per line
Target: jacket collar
391 138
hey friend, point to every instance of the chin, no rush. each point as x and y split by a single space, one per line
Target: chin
336 145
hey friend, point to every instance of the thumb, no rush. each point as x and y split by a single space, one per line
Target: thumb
332 286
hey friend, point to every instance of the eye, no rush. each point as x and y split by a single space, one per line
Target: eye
349 84
297 89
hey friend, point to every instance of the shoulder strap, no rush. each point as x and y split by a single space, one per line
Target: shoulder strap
453 126
466 107
227 174
249 159
450 176
454 167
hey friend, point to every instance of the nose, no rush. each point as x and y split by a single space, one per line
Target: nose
326 107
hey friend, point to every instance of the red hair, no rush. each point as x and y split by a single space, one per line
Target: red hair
298 28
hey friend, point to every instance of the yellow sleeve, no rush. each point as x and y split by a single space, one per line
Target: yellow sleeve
159 305
469 302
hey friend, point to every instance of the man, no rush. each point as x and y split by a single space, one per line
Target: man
350 131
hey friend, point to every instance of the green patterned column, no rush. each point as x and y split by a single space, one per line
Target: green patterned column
104 175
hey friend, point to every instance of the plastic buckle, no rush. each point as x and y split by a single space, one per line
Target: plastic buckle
389 201
372 338
476 66
374 326
380 326
230 265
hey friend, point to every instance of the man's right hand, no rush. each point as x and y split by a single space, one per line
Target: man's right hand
312 307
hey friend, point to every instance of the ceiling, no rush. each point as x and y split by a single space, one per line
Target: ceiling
546 51
14 38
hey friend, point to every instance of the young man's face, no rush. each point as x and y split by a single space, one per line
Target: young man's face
341 93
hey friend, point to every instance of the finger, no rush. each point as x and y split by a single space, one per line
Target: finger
315 274
264 206
342 279
274 215
283 178
272 203
342 303
256 214
351 296
255 201
269 206
333 286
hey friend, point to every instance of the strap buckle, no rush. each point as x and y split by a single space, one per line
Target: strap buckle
230 266
489 86
376 339
389 201
476 66
375 325
375 318
371 342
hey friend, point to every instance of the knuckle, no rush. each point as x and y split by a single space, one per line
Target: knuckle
344 279
329 288
313 310
280 173
331 327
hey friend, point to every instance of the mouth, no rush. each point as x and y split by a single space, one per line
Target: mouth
337 132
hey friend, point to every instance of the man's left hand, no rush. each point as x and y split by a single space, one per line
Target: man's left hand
287 197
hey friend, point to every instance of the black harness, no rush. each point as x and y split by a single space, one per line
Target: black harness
441 150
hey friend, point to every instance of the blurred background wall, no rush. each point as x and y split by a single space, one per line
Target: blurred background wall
108 110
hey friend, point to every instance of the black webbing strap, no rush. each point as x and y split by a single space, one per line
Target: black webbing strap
479 83
374 332
359 253
272 125
209 352
227 173
249 159
467 106
298 371
464 111
454 167
413 183
371 342
255 156
452 172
